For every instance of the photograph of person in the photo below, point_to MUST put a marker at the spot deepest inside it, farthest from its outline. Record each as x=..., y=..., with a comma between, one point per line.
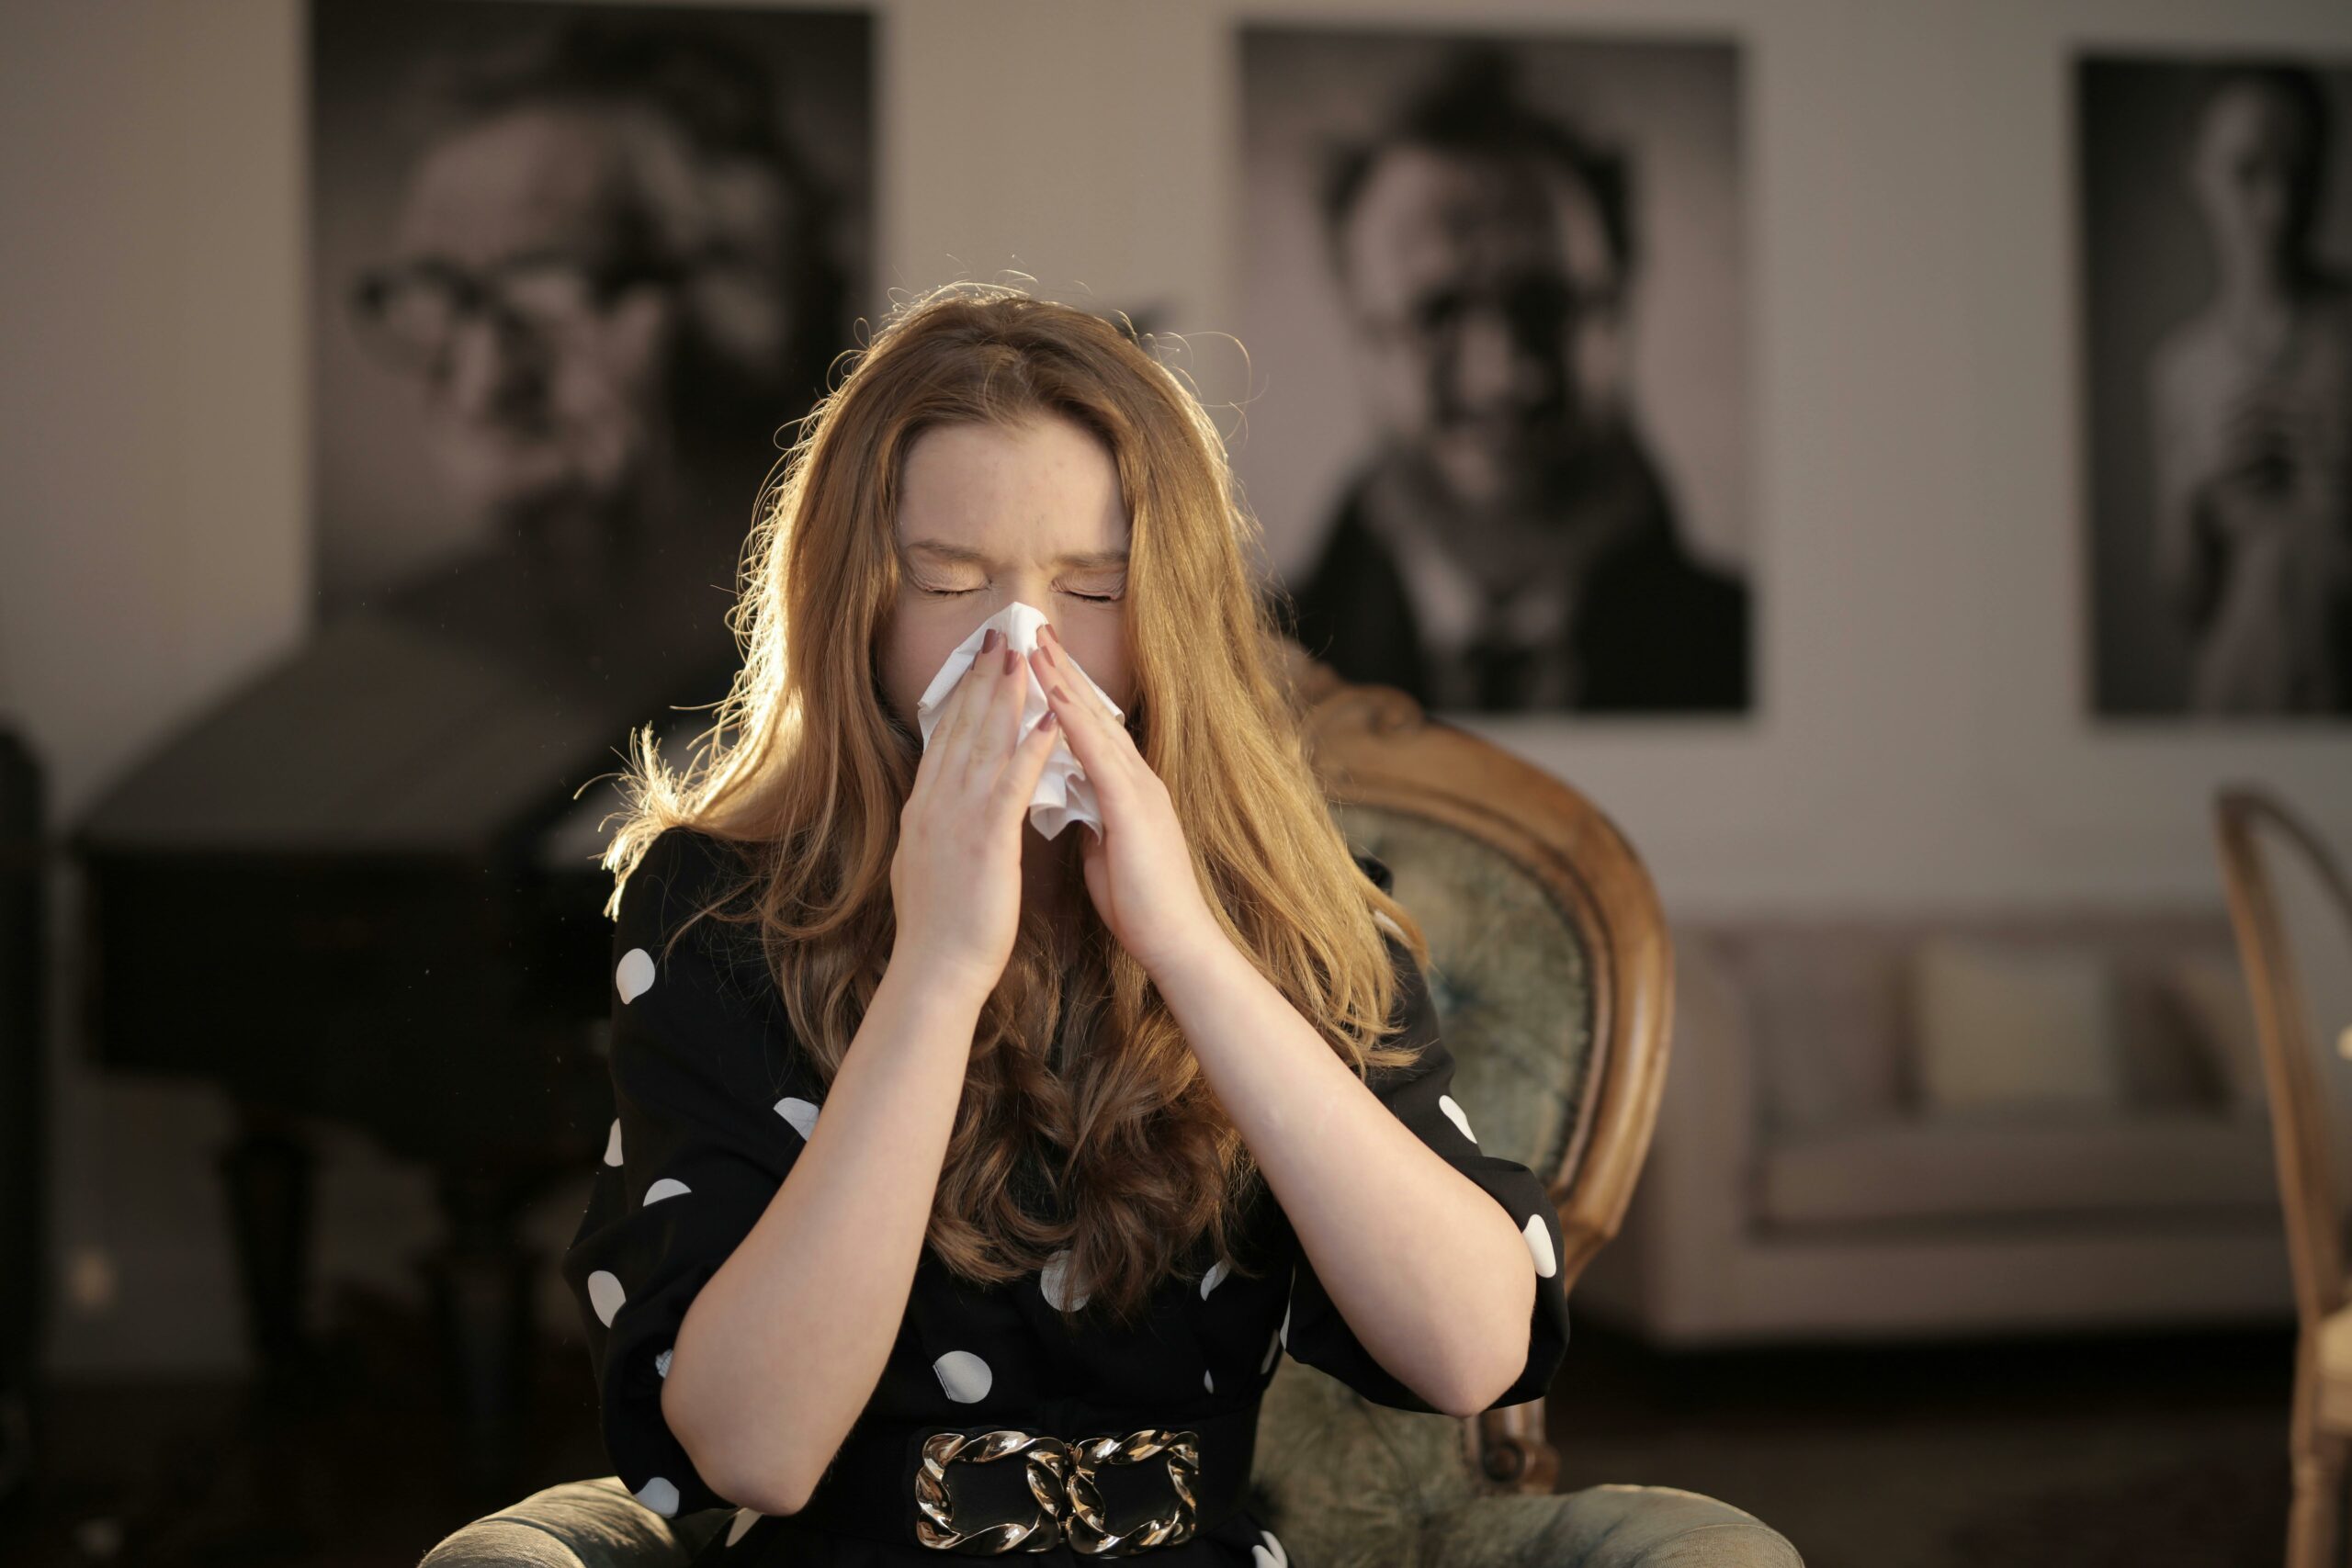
x=2216, y=293
x=1498, y=420
x=578, y=268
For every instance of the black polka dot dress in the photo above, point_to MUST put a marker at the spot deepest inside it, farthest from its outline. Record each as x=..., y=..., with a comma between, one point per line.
x=715, y=1103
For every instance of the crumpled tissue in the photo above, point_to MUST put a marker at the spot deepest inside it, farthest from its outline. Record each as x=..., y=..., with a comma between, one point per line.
x=1063, y=796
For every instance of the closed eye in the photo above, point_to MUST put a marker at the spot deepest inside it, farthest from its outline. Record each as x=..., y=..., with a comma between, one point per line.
x=959, y=592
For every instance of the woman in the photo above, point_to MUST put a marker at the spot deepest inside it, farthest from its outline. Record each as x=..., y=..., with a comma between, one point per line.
x=2251, y=400
x=932, y=1127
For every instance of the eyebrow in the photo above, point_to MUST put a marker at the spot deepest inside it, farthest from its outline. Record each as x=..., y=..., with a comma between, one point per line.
x=964, y=554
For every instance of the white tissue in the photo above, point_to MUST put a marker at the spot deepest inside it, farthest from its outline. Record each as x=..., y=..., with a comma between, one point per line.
x=1063, y=795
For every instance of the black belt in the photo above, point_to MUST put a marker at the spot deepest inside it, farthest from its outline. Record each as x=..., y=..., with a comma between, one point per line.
x=985, y=1490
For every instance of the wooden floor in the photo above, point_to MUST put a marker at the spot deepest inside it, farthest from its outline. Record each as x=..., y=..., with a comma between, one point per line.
x=2150, y=1451
x=2144, y=1450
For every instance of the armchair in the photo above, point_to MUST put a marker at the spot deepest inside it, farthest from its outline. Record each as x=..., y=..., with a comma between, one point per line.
x=1552, y=972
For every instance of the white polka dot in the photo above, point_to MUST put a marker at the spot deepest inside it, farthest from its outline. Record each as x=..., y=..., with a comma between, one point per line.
x=604, y=1293
x=1447, y=1104
x=1053, y=1281
x=964, y=1375
x=1282, y=1333
x=659, y=1495
x=1539, y=1242
x=668, y=1187
x=1271, y=1552
x=1214, y=1278
x=1383, y=918
x=661, y=1362
x=744, y=1519
x=1209, y=1379
x=635, y=976
x=613, y=1144
x=801, y=1113
x=1272, y=1345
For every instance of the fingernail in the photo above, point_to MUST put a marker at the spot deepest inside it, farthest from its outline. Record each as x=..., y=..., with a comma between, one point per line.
x=1011, y=659
x=1047, y=631
x=1047, y=722
x=988, y=641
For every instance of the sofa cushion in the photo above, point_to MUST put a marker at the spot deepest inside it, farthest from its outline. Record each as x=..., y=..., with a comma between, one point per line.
x=1830, y=1020
x=2209, y=991
x=2055, y=1165
x=1829, y=1030
x=2003, y=1024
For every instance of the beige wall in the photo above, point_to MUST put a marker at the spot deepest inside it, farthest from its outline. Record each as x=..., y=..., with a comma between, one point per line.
x=1916, y=538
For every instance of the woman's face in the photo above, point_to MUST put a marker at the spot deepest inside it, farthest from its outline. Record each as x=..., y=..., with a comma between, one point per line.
x=988, y=516
x=2251, y=163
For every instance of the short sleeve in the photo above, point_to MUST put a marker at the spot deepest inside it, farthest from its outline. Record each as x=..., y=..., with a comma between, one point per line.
x=714, y=1102
x=1418, y=1094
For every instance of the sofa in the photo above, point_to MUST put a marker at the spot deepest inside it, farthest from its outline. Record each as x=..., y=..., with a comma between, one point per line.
x=1934, y=1124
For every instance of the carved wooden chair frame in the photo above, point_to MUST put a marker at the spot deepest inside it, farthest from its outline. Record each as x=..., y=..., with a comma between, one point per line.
x=1374, y=746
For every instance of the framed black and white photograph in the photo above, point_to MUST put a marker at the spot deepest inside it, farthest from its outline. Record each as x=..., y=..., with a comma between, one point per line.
x=2215, y=198
x=576, y=271
x=1495, y=306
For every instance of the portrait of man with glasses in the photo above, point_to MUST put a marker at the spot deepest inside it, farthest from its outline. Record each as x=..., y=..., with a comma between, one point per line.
x=583, y=267
x=1506, y=538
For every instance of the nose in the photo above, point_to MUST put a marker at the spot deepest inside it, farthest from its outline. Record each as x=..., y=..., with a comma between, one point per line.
x=1035, y=590
x=1493, y=369
x=485, y=365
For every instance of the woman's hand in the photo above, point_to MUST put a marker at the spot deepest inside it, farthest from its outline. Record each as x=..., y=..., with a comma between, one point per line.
x=1138, y=869
x=956, y=881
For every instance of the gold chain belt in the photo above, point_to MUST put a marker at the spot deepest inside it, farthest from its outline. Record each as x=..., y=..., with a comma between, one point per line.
x=1062, y=1477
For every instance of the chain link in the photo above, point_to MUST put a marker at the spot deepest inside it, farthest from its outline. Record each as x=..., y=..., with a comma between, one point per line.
x=1062, y=1480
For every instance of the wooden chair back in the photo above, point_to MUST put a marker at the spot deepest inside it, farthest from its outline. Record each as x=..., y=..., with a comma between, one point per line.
x=1551, y=963
x=2291, y=907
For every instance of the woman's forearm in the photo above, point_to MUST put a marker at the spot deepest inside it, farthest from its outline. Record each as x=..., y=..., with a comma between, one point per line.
x=1426, y=1268
x=783, y=1347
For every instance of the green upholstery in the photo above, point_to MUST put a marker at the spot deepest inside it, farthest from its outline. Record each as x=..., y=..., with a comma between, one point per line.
x=1509, y=975
x=1344, y=1483
x=580, y=1524
x=1605, y=1526
x=595, y=1524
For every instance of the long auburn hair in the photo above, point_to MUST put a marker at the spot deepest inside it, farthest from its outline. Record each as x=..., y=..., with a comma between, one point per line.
x=1078, y=1073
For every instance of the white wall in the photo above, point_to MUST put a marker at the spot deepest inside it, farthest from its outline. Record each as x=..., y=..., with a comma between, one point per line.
x=1914, y=359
